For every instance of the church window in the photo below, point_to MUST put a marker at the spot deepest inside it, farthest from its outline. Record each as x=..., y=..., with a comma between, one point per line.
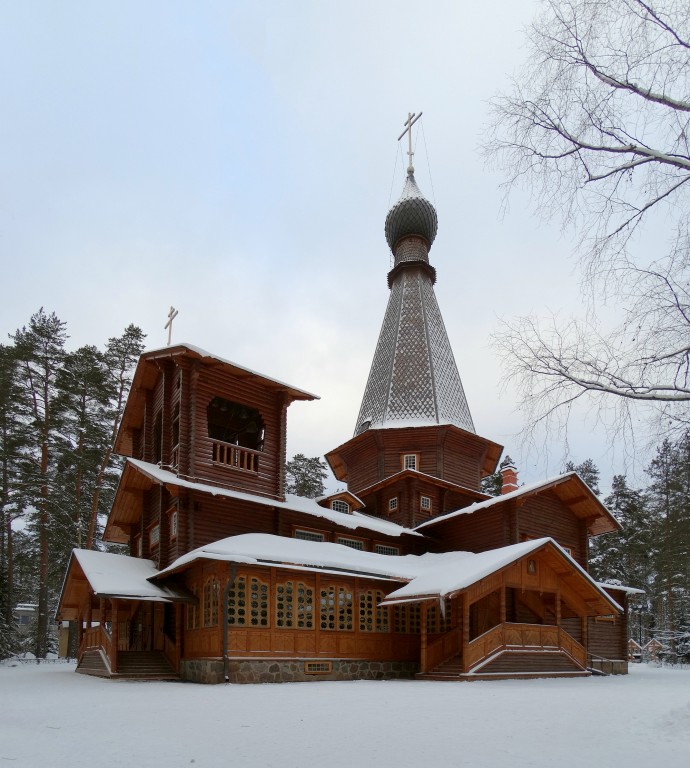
x=372, y=617
x=407, y=619
x=294, y=605
x=258, y=603
x=336, y=608
x=393, y=504
x=154, y=536
x=211, y=602
x=309, y=535
x=410, y=460
x=346, y=541
x=235, y=423
x=193, y=612
x=173, y=524
x=338, y=505
x=237, y=602
x=384, y=549
x=425, y=503
x=436, y=622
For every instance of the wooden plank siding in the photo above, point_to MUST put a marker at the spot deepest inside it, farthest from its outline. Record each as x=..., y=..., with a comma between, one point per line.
x=546, y=515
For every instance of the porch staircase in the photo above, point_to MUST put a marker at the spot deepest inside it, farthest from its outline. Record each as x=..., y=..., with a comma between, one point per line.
x=510, y=665
x=144, y=665
x=131, y=665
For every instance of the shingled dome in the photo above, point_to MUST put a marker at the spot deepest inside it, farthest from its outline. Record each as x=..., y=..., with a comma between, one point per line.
x=413, y=214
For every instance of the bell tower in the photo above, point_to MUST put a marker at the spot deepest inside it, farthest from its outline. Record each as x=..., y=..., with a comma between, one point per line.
x=414, y=420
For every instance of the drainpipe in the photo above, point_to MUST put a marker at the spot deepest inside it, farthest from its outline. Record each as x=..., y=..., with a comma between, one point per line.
x=226, y=592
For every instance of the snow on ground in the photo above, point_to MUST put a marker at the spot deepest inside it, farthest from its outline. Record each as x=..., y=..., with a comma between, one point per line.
x=51, y=717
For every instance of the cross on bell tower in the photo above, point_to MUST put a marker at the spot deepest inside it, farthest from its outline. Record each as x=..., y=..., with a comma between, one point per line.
x=411, y=120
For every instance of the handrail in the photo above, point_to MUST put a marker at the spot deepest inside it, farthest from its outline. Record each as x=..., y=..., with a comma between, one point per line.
x=236, y=456
x=517, y=635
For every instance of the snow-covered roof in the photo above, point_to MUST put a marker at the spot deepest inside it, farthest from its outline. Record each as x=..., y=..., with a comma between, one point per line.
x=524, y=490
x=353, y=520
x=204, y=353
x=114, y=575
x=621, y=588
x=431, y=575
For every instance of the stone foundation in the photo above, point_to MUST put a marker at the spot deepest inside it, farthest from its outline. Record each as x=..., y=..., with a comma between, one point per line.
x=292, y=670
x=609, y=666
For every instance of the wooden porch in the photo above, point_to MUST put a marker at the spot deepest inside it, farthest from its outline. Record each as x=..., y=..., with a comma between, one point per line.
x=130, y=642
x=506, y=650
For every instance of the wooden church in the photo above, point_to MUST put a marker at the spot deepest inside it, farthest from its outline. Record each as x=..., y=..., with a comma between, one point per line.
x=411, y=571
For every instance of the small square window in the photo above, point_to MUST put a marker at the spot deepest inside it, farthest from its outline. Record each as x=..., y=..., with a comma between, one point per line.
x=393, y=503
x=425, y=503
x=384, y=549
x=409, y=461
x=309, y=535
x=338, y=505
x=352, y=543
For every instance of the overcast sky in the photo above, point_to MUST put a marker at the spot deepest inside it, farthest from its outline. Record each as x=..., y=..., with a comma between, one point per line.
x=237, y=160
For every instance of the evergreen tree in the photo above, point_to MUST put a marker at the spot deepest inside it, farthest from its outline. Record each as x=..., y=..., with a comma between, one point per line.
x=305, y=476
x=625, y=556
x=588, y=471
x=669, y=496
x=12, y=442
x=40, y=350
x=493, y=484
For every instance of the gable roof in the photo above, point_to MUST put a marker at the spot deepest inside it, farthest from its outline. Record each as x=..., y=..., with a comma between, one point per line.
x=109, y=575
x=140, y=474
x=569, y=487
x=430, y=576
x=432, y=479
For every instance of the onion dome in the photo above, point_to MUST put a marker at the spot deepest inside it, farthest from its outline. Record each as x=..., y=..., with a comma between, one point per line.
x=413, y=214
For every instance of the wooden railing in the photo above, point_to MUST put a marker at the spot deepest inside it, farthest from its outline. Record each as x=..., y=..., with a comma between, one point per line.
x=96, y=637
x=523, y=636
x=441, y=649
x=235, y=456
x=484, y=645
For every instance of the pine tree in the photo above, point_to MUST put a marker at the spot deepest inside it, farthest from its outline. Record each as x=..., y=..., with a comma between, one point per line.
x=588, y=471
x=669, y=495
x=40, y=351
x=305, y=476
x=625, y=556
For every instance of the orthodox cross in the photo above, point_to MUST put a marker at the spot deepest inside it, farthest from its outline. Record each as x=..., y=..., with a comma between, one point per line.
x=411, y=120
x=171, y=316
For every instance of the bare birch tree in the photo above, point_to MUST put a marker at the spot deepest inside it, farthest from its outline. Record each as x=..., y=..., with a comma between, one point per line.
x=597, y=128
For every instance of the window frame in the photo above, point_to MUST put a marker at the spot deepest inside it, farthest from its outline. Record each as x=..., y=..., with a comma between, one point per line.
x=428, y=506
x=378, y=546
x=393, y=504
x=403, y=461
x=347, y=508
x=310, y=532
x=341, y=539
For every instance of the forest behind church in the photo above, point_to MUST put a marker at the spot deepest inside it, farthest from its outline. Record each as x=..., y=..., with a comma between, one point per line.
x=60, y=409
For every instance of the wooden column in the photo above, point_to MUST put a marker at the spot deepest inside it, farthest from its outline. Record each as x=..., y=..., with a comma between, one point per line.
x=178, y=633
x=89, y=612
x=585, y=634
x=465, y=629
x=503, y=604
x=114, y=637
x=423, y=660
x=558, y=609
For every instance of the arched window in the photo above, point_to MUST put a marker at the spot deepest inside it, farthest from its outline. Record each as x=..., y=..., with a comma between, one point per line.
x=211, y=602
x=235, y=423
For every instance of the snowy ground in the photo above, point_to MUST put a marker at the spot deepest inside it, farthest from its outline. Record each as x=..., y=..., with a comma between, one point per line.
x=51, y=717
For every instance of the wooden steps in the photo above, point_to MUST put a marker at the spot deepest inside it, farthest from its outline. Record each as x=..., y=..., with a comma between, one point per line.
x=93, y=663
x=144, y=665
x=511, y=665
x=131, y=665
